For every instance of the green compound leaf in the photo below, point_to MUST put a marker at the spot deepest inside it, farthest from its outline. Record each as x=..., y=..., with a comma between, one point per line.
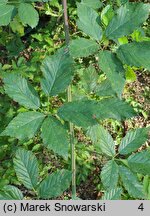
x=21, y=91
x=140, y=162
x=110, y=174
x=128, y=18
x=82, y=47
x=102, y=140
x=55, y=136
x=10, y=192
x=135, y=54
x=58, y=72
x=131, y=183
x=133, y=140
x=85, y=113
x=55, y=184
x=7, y=13
x=28, y=15
x=92, y=4
x=88, y=21
x=24, y=126
x=104, y=89
x=113, y=194
x=26, y=167
x=113, y=68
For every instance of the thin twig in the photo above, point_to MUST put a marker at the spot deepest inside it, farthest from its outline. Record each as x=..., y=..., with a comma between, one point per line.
x=69, y=95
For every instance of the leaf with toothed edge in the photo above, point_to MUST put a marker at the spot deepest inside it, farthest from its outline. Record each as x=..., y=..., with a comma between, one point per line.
x=26, y=167
x=24, y=126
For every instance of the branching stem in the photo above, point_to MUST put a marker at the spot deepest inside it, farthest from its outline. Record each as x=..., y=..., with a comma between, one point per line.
x=69, y=96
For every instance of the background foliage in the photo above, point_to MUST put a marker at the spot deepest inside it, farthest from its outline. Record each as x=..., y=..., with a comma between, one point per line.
x=119, y=33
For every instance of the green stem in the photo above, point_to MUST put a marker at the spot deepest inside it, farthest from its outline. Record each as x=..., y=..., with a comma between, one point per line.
x=69, y=96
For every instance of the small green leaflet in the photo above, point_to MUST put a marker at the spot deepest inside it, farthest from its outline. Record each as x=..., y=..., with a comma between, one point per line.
x=135, y=54
x=131, y=183
x=21, y=91
x=10, y=192
x=89, y=79
x=28, y=15
x=130, y=74
x=110, y=174
x=26, y=167
x=7, y=12
x=24, y=126
x=104, y=89
x=88, y=21
x=82, y=47
x=85, y=113
x=113, y=68
x=55, y=136
x=102, y=140
x=18, y=28
x=55, y=184
x=140, y=162
x=133, y=140
x=58, y=72
x=107, y=14
x=128, y=18
x=95, y=4
x=113, y=194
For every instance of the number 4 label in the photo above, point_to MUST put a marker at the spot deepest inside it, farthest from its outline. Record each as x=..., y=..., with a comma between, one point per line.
x=141, y=207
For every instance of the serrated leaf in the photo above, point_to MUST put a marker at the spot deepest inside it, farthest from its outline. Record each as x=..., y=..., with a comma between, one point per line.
x=89, y=79
x=135, y=54
x=131, y=183
x=102, y=139
x=133, y=140
x=10, y=192
x=129, y=17
x=7, y=13
x=109, y=175
x=88, y=21
x=24, y=125
x=82, y=47
x=26, y=167
x=28, y=15
x=58, y=72
x=92, y=4
x=113, y=68
x=104, y=89
x=113, y=194
x=55, y=184
x=21, y=91
x=55, y=136
x=85, y=113
x=140, y=162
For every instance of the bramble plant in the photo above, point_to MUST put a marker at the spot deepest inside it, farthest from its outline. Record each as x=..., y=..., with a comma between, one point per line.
x=102, y=99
